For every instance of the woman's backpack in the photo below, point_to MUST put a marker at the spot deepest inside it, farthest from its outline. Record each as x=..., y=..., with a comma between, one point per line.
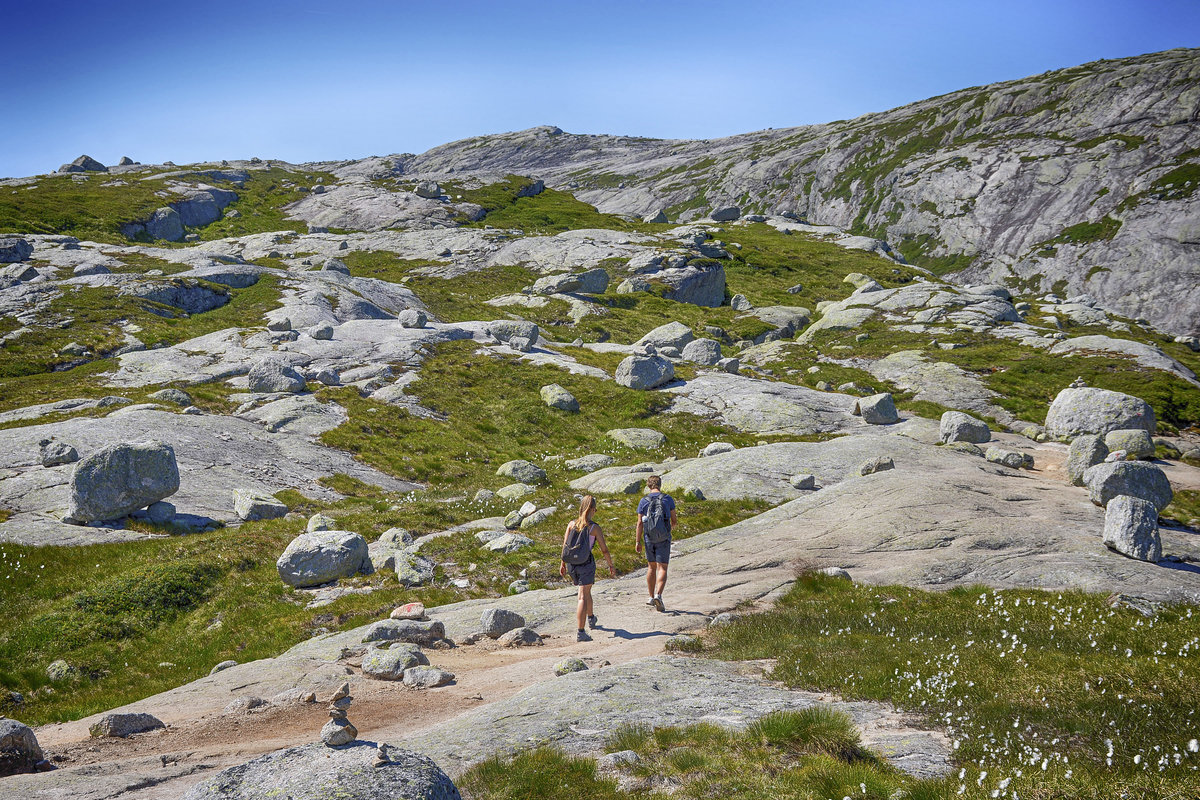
x=578, y=548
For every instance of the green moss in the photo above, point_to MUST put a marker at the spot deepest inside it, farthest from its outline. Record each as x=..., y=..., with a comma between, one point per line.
x=1131, y=142
x=1101, y=230
x=1092, y=271
x=916, y=250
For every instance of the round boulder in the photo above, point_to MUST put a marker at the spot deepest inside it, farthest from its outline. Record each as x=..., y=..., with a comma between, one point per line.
x=644, y=372
x=390, y=664
x=959, y=427
x=556, y=396
x=1098, y=411
x=121, y=478
x=19, y=749
x=317, y=772
x=1136, y=442
x=495, y=622
x=522, y=471
x=638, y=438
x=322, y=556
x=706, y=352
x=1131, y=478
x=269, y=376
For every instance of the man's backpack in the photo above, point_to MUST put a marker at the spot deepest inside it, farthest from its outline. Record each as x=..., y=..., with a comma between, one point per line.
x=657, y=524
x=578, y=549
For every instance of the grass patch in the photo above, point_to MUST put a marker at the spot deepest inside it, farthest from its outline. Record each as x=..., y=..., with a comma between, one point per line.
x=1057, y=693
x=95, y=313
x=88, y=209
x=548, y=212
x=1184, y=507
x=814, y=753
x=1101, y=230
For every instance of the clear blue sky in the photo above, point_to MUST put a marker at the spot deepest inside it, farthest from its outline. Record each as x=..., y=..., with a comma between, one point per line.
x=315, y=80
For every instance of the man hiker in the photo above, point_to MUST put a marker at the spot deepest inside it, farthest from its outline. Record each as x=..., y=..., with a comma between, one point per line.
x=656, y=520
x=578, y=562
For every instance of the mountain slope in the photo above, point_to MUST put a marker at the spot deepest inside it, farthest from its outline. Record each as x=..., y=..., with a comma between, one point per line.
x=1075, y=181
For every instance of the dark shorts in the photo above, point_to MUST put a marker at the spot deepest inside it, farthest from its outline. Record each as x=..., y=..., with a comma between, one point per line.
x=659, y=553
x=582, y=574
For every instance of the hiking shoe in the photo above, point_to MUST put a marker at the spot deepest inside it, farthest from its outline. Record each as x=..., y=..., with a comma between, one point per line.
x=592, y=622
x=650, y=601
x=658, y=603
x=582, y=636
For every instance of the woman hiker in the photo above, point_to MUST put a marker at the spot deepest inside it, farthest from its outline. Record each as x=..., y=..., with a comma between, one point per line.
x=577, y=561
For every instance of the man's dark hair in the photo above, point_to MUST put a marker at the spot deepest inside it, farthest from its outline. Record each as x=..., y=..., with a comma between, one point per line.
x=654, y=482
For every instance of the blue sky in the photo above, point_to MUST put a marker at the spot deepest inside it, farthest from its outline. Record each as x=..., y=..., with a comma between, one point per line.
x=308, y=80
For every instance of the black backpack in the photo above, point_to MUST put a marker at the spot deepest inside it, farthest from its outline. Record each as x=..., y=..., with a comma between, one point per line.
x=657, y=525
x=578, y=549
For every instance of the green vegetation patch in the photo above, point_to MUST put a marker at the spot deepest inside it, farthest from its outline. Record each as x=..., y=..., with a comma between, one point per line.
x=811, y=753
x=1055, y=694
x=95, y=206
x=94, y=315
x=1101, y=230
x=548, y=212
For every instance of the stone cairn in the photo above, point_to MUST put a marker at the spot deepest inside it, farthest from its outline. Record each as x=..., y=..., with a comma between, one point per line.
x=1078, y=383
x=338, y=731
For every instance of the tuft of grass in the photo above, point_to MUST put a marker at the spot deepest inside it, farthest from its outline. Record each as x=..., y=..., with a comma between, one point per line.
x=819, y=729
x=544, y=772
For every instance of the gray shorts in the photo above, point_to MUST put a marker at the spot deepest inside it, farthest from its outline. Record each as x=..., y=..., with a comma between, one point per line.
x=660, y=552
x=582, y=574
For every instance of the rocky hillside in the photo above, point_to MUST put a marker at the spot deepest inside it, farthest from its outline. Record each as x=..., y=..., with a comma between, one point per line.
x=1076, y=181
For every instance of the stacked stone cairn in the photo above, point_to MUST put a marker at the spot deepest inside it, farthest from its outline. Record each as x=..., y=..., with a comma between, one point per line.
x=339, y=732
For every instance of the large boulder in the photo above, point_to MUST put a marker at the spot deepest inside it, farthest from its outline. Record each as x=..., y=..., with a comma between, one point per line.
x=725, y=214
x=250, y=505
x=1131, y=528
x=165, y=223
x=506, y=329
x=1087, y=410
x=495, y=622
x=556, y=396
x=124, y=725
x=1131, y=478
x=1086, y=451
x=522, y=471
x=638, y=438
x=959, y=427
x=413, y=631
x=673, y=334
x=878, y=409
x=318, y=772
x=84, y=163
x=390, y=664
x=203, y=207
x=270, y=376
x=121, y=478
x=19, y=750
x=644, y=372
x=323, y=556
x=1135, y=441
x=705, y=352
x=14, y=248
x=426, y=677
x=701, y=283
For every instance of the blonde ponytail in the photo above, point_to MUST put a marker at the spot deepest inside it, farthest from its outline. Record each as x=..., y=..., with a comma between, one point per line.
x=587, y=507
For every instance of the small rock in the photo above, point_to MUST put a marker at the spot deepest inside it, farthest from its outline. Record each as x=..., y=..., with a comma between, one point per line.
x=412, y=318
x=392, y=663
x=242, y=705
x=338, y=733
x=556, y=396
x=723, y=618
x=740, y=303
x=124, y=725
x=591, y=463
x=878, y=409
x=335, y=265
x=54, y=453
x=427, y=677
x=638, y=438
x=876, y=465
x=19, y=750
x=409, y=611
x=716, y=448
x=835, y=572
x=518, y=587
x=59, y=670
x=269, y=376
x=644, y=372
x=1086, y=451
x=569, y=665
x=160, y=513
x=803, y=481
x=224, y=665
x=322, y=332
x=174, y=396
x=320, y=522
x=280, y=325
x=484, y=496
x=250, y=505
x=1009, y=458
x=522, y=471
x=520, y=637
